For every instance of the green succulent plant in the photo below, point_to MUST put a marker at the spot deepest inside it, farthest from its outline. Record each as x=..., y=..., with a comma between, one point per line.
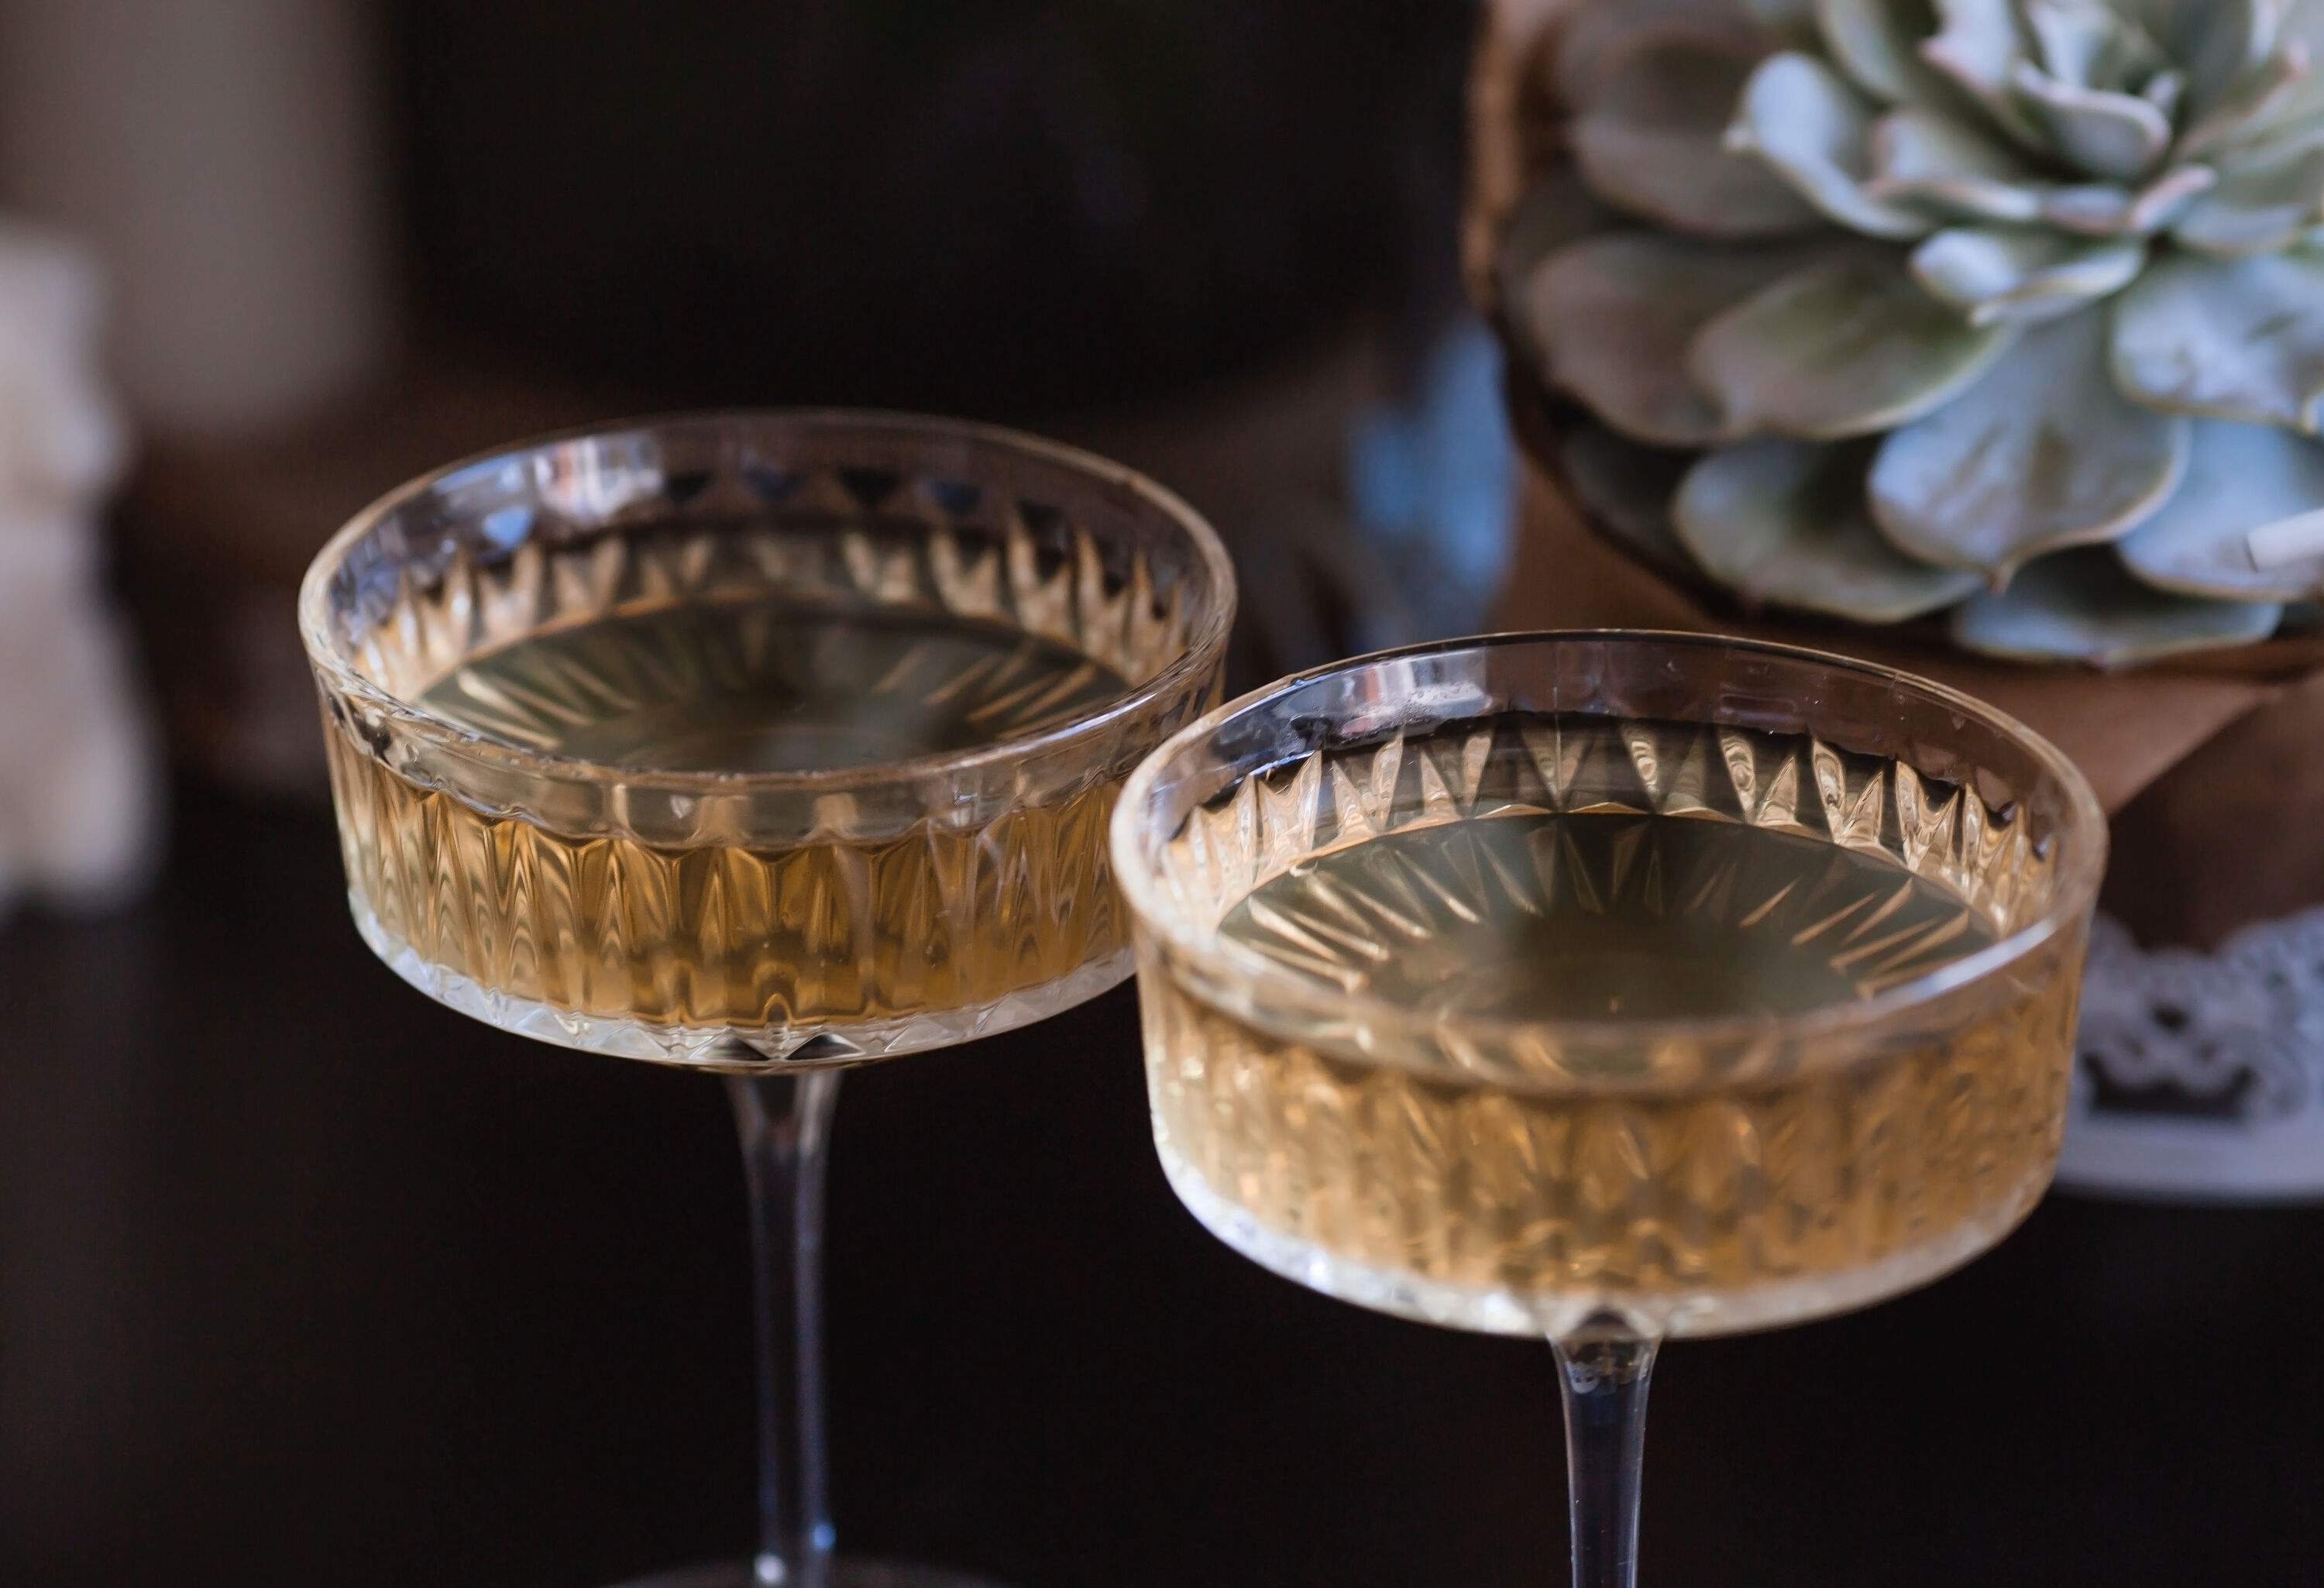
x=2011, y=310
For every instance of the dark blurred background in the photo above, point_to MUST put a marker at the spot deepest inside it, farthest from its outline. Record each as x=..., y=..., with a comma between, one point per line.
x=1009, y=207
x=346, y=241
x=303, y=1280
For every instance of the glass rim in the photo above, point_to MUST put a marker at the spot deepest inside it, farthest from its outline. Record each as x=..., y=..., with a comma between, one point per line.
x=1205, y=642
x=2084, y=827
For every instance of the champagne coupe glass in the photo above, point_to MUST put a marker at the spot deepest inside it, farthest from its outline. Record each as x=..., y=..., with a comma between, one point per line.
x=761, y=744
x=1608, y=987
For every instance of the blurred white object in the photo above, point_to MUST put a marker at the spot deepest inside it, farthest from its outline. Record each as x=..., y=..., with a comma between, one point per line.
x=221, y=157
x=2202, y=1074
x=77, y=789
x=2274, y=545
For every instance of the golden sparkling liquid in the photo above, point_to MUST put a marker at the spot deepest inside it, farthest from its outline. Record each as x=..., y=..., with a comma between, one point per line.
x=836, y=932
x=1496, y=1203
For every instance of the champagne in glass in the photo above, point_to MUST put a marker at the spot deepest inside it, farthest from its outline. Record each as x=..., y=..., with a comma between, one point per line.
x=730, y=935
x=1610, y=988
x=763, y=744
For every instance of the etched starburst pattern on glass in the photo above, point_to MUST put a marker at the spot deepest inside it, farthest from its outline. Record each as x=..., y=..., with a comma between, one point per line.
x=707, y=742
x=1539, y=917
x=1498, y=1016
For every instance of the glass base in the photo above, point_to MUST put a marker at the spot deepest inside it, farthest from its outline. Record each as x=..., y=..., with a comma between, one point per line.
x=844, y=1573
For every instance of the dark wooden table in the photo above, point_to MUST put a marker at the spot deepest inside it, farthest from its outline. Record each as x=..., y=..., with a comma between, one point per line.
x=304, y=1280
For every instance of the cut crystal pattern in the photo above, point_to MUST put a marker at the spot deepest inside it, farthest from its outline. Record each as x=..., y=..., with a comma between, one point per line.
x=1027, y=622
x=908, y=550
x=1585, y=765
x=1399, y=1151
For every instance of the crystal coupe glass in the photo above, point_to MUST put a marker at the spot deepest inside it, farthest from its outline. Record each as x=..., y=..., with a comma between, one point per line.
x=1608, y=987
x=762, y=744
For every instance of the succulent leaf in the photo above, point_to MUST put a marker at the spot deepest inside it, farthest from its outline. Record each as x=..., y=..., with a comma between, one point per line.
x=2276, y=145
x=2092, y=46
x=1651, y=142
x=2166, y=92
x=1627, y=489
x=2304, y=24
x=2113, y=136
x=1783, y=522
x=2043, y=453
x=1979, y=45
x=2099, y=209
x=1996, y=273
x=2239, y=339
x=1813, y=129
x=2217, y=41
x=1792, y=22
x=1928, y=159
x=2111, y=215
x=1596, y=40
x=2243, y=478
x=1877, y=43
x=1848, y=347
x=1559, y=209
x=2084, y=606
x=2252, y=106
x=1613, y=317
x=2260, y=209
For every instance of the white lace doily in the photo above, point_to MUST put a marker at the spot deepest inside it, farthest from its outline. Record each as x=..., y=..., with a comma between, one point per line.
x=2201, y=1074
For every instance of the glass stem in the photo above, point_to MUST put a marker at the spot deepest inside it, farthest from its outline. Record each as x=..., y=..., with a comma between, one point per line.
x=1604, y=1375
x=785, y=1122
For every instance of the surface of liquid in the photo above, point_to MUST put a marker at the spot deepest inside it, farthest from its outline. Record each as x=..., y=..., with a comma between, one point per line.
x=1756, y=1187
x=653, y=950
x=1541, y=917
x=762, y=687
